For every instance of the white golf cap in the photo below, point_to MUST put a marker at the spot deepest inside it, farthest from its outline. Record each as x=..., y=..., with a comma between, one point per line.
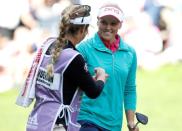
x=112, y=11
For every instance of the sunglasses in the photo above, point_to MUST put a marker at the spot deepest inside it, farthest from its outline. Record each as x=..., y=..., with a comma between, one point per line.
x=81, y=11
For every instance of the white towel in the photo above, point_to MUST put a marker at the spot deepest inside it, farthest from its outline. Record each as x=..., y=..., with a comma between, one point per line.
x=27, y=93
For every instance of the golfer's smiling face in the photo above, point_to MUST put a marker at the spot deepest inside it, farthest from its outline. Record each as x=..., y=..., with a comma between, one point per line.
x=108, y=27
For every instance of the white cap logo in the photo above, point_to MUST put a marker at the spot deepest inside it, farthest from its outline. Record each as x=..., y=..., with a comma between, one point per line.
x=117, y=13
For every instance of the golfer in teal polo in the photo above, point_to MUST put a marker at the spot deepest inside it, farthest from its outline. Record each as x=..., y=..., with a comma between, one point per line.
x=106, y=49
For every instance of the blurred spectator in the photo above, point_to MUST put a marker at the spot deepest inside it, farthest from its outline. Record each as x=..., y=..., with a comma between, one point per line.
x=47, y=13
x=12, y=12
x=172, y=53
x=145, y=37
x=7, y=52
x=15, y=58
x=26, y=50
x=153, y=8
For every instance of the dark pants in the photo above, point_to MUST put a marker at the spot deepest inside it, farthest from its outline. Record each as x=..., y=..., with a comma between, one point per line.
x=89, y=126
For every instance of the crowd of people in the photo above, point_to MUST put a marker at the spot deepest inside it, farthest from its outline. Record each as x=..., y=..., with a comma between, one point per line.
x=152, y=27
x=23, y=27
x=154, y=32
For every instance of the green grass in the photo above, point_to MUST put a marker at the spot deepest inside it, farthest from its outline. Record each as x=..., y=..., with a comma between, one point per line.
x=12, y=117
x=159, y=97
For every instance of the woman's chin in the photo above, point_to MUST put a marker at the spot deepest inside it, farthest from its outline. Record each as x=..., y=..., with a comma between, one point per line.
x=107, y=38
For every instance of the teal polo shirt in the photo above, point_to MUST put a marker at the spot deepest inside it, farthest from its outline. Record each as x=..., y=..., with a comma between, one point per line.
x=120, y=88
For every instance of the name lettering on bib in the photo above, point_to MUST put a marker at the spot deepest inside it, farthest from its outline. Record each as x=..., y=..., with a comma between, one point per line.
x=49, y=82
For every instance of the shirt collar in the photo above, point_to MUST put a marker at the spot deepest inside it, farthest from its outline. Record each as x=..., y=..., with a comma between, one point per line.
x=98, y=44
x=69, y=45
x=112, y=46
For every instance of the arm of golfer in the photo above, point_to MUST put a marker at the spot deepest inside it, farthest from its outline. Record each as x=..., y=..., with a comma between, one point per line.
x=130, y=116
